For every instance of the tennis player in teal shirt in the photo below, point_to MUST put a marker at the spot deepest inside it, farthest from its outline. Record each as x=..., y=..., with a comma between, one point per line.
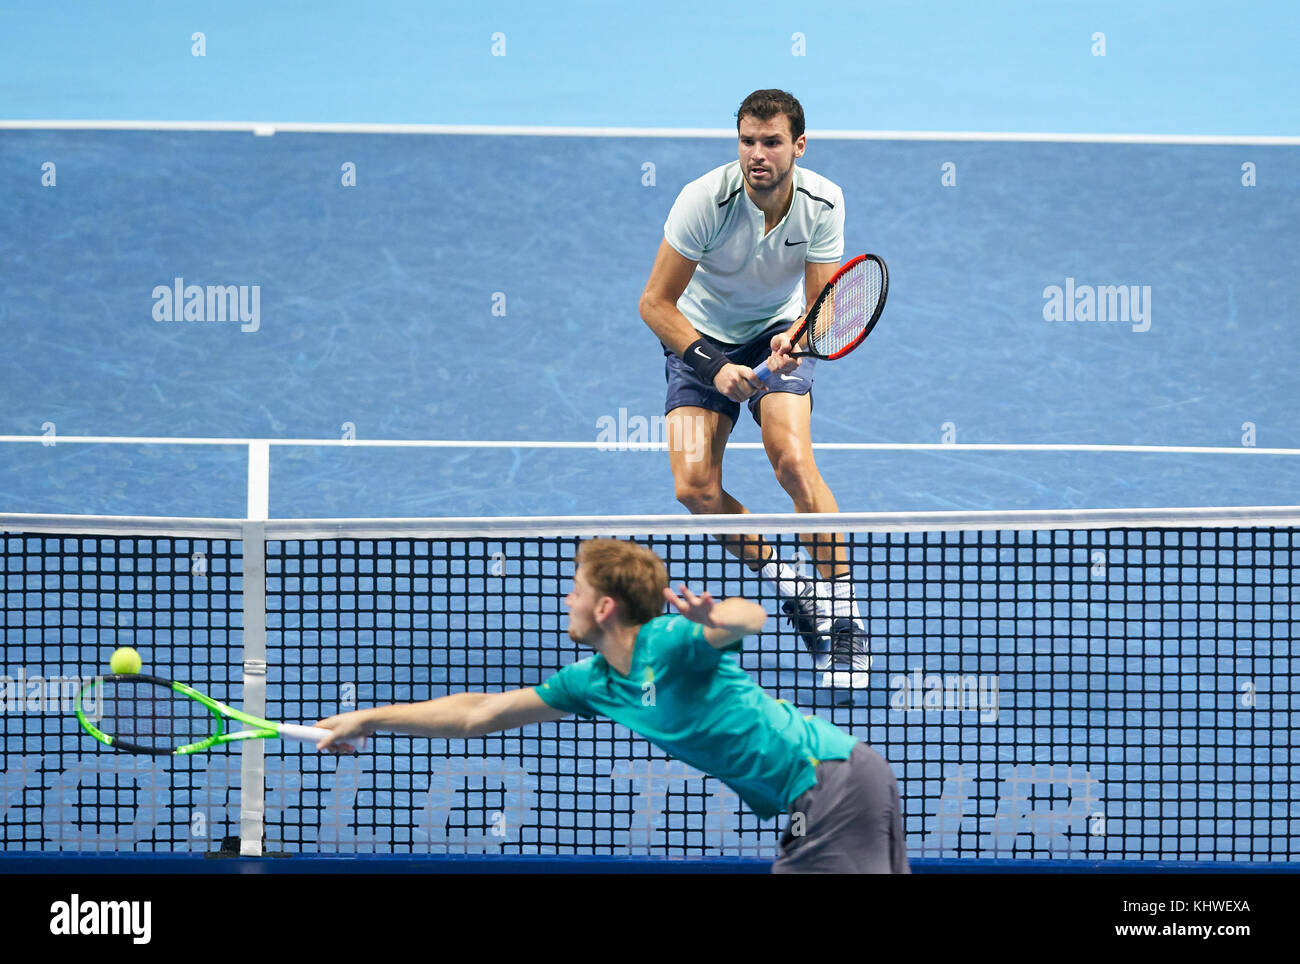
x=674, y=680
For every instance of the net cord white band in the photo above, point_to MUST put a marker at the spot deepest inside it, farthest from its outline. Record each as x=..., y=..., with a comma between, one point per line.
x=498, y=527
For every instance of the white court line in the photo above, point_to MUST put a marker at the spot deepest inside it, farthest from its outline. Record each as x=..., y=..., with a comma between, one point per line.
x=55, y=441
x=265, y=128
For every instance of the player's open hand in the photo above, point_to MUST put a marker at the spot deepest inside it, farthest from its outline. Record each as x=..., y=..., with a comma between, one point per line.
x=350, y=732
x=737, y=382
x=698, y=609
x=781, y=360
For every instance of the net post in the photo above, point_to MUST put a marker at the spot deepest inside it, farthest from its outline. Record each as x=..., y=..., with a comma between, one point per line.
x=252, y=764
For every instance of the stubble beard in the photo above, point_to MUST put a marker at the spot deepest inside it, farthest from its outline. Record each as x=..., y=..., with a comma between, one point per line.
x=773, y=184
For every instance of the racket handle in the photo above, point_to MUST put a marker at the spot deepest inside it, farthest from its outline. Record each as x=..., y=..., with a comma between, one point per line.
x=764, y=373
x=312, y=734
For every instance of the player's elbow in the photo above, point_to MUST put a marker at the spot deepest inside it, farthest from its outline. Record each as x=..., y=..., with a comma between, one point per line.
x=748, y=623
x=475, y=724
x=655, y=305
x=480, y=718
x=745, y=617
x=646, y=306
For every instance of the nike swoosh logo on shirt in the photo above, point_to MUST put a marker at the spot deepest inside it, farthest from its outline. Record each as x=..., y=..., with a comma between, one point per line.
x=791, y=244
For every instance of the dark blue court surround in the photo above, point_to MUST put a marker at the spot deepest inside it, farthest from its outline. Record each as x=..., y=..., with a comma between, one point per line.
x=84, y=864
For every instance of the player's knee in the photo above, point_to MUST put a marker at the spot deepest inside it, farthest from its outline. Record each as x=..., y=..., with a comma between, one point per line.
x=700, y=497
x=797, y=473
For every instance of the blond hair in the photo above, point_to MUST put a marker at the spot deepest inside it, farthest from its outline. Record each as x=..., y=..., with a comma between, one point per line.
x=630, y=574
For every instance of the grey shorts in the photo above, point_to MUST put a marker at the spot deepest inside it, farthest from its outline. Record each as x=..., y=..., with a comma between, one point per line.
x=849, y=823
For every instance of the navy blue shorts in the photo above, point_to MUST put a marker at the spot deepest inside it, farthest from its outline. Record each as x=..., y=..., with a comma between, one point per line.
x=685, y=388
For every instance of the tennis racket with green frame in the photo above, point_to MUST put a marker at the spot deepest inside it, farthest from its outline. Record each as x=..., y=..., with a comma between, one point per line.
x=146, y=714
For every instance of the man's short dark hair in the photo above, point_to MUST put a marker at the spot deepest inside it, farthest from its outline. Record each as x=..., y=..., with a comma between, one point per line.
x=766, y=104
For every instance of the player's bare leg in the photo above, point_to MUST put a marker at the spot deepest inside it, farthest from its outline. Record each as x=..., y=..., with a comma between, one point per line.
x=787, y=437
x=697, y=441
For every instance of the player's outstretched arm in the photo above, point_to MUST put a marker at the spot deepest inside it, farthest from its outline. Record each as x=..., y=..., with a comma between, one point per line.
x=724, y=622
x=458, y=716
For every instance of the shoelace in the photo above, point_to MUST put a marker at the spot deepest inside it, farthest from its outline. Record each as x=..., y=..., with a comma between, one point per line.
x=843, y=633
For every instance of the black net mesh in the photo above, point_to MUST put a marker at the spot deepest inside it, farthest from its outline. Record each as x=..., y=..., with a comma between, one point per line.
x=1115, y=694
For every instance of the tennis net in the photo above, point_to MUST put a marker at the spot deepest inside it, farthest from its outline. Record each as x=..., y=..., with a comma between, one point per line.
x=1098, y=685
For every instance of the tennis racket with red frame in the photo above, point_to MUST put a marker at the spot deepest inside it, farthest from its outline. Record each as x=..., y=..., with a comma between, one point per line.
x=844, y=313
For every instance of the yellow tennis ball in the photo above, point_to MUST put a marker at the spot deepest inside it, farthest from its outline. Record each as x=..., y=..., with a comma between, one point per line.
x=125, y=660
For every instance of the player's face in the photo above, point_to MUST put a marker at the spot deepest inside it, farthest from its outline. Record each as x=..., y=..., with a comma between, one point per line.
x=767, y=152
x=582, y=600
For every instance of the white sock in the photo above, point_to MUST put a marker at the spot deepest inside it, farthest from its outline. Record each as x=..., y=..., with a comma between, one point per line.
x=843, y=605
x=781, y=578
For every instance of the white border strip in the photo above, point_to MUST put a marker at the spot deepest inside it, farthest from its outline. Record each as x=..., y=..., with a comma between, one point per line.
x=784, y=523
x=505, y=527
x=265, y=128
x=252, y=754
x=649, y=446
x=259, y=483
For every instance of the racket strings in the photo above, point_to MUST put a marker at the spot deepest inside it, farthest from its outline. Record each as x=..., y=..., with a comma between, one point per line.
x=151, y=716
x=847, y=309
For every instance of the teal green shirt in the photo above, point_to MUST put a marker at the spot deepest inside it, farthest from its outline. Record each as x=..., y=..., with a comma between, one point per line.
x=695, y=703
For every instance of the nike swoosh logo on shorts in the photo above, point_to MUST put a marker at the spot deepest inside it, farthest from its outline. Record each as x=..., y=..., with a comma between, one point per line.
x=789, y=378
x=791, y=244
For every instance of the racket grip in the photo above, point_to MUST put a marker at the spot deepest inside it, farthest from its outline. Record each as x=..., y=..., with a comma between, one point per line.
x=312, y=734
x=763, y=372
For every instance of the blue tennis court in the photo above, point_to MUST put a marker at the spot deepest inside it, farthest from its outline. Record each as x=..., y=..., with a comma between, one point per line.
x=394, y=311
x=1092, y=307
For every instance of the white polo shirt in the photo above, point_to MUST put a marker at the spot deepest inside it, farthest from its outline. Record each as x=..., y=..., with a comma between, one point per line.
x=746, y=281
